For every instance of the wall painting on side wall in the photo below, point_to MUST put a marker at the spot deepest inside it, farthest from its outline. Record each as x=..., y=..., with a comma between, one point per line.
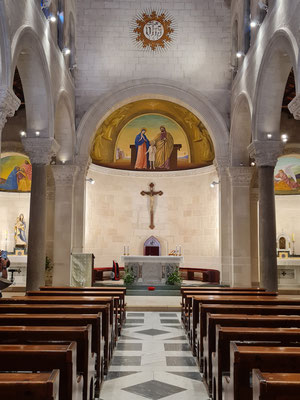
x=15, y=173
x=287, y=175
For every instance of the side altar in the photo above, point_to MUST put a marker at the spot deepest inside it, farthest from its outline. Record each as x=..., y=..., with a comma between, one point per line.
x=151, y=269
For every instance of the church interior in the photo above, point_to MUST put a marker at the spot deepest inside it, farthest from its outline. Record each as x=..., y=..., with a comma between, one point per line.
x=149, y=199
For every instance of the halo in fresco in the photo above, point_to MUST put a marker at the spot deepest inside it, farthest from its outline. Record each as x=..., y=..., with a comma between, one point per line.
x=287, y=175
x=15, y=173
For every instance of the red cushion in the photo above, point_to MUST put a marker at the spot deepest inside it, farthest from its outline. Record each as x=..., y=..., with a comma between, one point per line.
x=151, y=288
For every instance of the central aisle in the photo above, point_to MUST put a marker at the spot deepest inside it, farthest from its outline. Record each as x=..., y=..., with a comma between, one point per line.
x=153, y=361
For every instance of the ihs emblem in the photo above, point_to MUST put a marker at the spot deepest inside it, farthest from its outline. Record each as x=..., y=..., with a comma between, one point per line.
x=153, y=30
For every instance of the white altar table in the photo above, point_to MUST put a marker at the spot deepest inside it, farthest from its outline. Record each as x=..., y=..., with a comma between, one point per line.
x=151, y=269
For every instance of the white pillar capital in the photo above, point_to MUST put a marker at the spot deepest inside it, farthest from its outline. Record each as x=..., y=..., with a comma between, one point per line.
x=241, y=176
x=294, y=107
x=266, y=152
x=40, y=150
x=9, y=103
x=64, y=174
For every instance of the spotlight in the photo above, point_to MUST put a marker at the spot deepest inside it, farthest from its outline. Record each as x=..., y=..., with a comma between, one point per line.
x=91, y=181
x=66, y=51
x=239, y=54
x=37, y=133
x=52, y=18
x=284, y=137
x=23, y=133
x=254, y=24
x=213, y=184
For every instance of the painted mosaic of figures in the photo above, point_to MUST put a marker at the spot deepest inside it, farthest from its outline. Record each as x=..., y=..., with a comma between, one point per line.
x=287, y=175
x=15, y=173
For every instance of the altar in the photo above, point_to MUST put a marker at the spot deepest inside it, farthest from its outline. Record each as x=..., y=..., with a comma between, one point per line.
x=151, y=269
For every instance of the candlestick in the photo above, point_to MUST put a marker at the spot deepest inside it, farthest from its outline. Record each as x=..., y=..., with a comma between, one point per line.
x=124, y=250
x=176, y=251
x=180, y=250
x=128, y=250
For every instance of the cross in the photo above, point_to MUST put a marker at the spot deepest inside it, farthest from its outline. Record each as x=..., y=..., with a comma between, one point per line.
x=151, y=194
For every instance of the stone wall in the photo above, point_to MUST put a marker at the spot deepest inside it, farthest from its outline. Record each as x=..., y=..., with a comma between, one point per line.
x=186, y=214
x=107, y=55
x=288, y=217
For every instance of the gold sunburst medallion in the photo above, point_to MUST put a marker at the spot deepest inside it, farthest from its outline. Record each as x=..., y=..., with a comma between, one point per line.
x=153, y=30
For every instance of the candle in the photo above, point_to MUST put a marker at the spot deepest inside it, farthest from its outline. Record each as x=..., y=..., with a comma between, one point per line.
x=128, y=250
x=124, y=251
x=293, y=237
x=176, y=251
x=180, y=250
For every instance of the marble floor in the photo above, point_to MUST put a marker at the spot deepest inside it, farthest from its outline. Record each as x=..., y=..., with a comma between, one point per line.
x=153, y=360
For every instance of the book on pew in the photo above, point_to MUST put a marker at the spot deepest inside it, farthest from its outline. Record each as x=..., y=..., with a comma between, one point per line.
x=4, y=283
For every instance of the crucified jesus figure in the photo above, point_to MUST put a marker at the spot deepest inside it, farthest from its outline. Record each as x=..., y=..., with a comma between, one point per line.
x=151, y=194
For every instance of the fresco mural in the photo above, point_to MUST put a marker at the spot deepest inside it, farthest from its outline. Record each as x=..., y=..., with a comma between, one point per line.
x=287, y=175
x=15, y=172
x=152, y=135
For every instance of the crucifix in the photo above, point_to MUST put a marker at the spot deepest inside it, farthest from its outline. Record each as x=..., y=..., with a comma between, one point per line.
x=151, y=194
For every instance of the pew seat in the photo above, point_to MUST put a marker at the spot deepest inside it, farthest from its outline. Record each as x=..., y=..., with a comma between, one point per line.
x=29, y=386
x=245, y=358
x=275, y=386
x=82, y=335
x=46, y=357
x=225, y=335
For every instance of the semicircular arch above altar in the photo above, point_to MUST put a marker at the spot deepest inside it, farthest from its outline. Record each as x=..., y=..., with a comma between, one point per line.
x=163, y=132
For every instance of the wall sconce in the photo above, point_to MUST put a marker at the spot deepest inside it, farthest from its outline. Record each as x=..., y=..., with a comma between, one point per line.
x=214, y=183
x=254, y=24
x=284, y=137
x=90, y=180
x=269, y=136
x=23, y=133
x=51, y=18
x=239, y=54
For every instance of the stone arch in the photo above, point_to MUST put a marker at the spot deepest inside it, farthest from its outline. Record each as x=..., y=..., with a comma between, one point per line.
x=64, y=128
x=280, y=56
x=71, y=40
x=159, y=89
x=241, y=132
x=29, y=57
x=4, y=48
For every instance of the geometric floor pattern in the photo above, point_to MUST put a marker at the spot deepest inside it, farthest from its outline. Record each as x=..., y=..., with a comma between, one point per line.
x=153, y=361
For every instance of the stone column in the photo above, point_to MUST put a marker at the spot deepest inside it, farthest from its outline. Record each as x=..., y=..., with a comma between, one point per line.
x=79, y=206
x=254, y=237
x=63, y=223
x=266, y=154
x=9, y=103
x=240, y=221
x=224, y=220
x=39, y=152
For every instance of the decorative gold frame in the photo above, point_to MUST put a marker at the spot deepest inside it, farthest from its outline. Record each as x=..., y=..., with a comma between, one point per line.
x=167, y=23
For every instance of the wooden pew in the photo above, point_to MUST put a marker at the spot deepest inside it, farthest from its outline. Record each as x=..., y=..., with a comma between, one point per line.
x=75, y=300
x=97, y=344
x=118, y=300
x=243, y=359
x=242, y=300
x=224, y=335
x=115, y=293
x=240, y=320
x=90, y=289
x=187, y=292
x=63, y=320
x=46, y=357
x=82, y=335
x=240, y=309
x=29, y=386
x=275, y=386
